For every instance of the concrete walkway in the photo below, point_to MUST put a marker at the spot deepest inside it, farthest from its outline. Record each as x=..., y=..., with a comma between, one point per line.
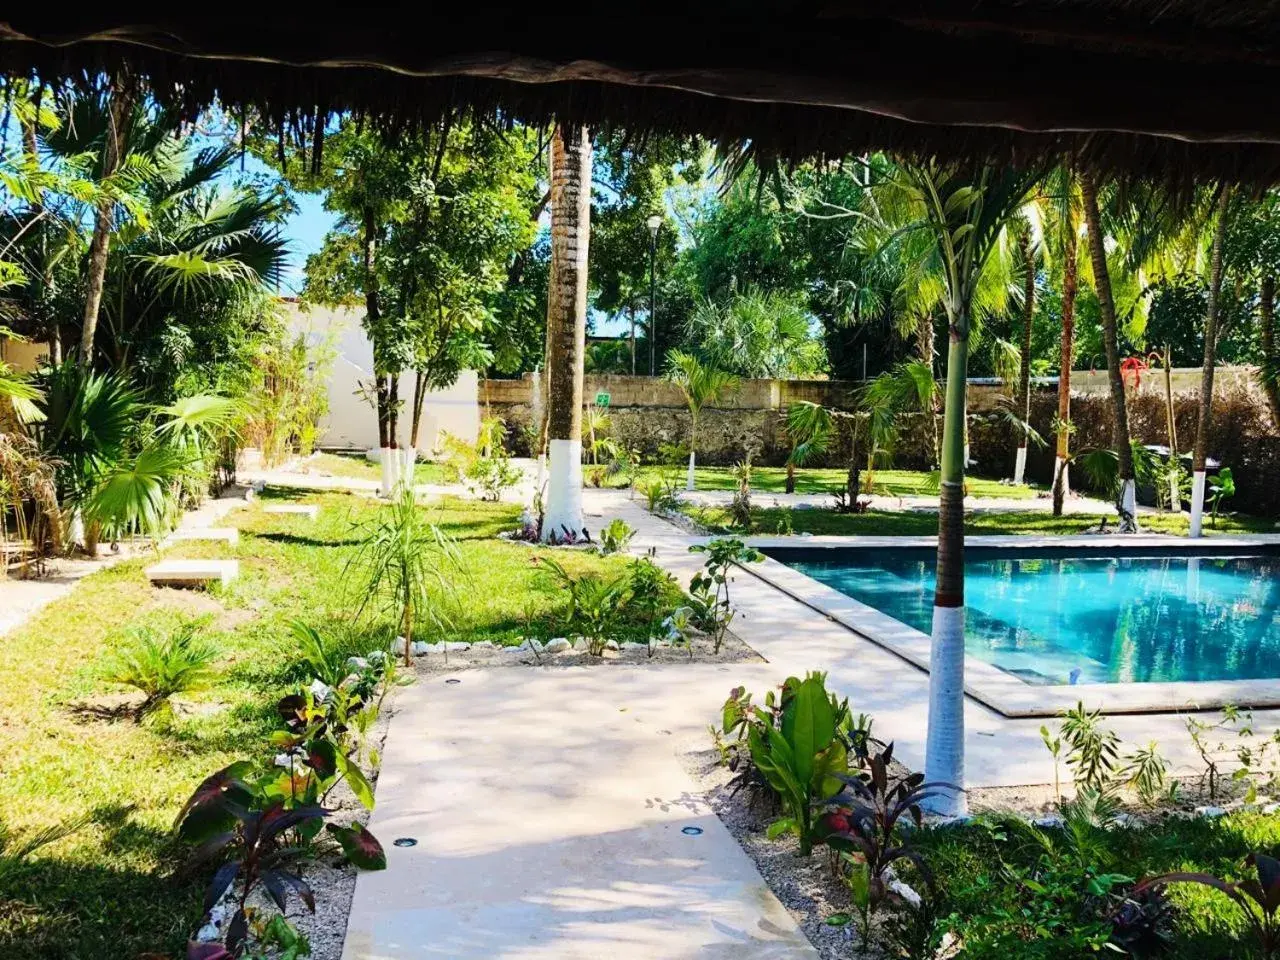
x=22, y=599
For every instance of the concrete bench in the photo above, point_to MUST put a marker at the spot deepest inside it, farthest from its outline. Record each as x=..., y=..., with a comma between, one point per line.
x=310, y=511
x=193, y=573
x=227, y=535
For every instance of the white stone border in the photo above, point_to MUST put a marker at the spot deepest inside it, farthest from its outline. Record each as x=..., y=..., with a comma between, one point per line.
x=988, y=684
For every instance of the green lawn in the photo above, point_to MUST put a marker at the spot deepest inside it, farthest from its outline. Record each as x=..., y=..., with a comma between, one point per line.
x=357, y=466
x=925, y=523
x=109, y=890
x=1012, y=895
x=892, y=483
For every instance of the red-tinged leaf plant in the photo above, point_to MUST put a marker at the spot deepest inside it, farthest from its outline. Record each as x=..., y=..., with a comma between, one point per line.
x=262, y=839
x=862, y=828
x=1257, y=897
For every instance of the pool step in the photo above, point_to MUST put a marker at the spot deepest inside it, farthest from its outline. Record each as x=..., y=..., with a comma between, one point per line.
x=193, y=573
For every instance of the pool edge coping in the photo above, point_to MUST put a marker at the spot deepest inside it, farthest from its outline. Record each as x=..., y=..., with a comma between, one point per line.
x=989, y=685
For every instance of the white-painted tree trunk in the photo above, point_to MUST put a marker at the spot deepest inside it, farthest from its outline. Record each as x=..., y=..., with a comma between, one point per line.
x=1197, y=502
x=1129, y=498
x=409, y=459
x=564, y=491
x=688, y=480
x=1061, y=466
x=1020, y=465
x=944, y=748
x=386, y=482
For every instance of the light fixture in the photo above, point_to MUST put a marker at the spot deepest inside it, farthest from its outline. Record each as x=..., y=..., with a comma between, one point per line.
x=654, y=222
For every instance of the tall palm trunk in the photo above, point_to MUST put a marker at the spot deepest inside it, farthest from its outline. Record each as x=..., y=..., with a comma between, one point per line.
x=567, y=328
x=1267, y=321
x=1205, y=421
x=1061, y=481
x=1024, y=369
x=373, y=326
x=49, y=318
x=944, y=754
x=1127, y=498
x=926, y=348
x=122, y=96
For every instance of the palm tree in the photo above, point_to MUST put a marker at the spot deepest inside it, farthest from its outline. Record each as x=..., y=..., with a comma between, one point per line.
x=567, y=328
x=702, y=383
x=1204, y=421
x=1026, y=245
x=964, y=209
x=1127, y=502
x=809, y=427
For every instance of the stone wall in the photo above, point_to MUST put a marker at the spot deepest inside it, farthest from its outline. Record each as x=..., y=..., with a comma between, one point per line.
x=646, y=413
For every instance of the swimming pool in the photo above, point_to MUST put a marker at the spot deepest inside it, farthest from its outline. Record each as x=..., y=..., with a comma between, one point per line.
x=1105, y=617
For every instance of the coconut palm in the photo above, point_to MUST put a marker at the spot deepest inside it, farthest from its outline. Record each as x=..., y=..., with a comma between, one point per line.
x=701, y=383
x=567, y=328
x=810, y=429
x=1211, y=331
x=1126, y=504
x=964, y=209
x=1027, y=247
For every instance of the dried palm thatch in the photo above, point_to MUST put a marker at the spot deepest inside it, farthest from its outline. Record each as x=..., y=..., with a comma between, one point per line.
x=29, y=517
x=1161, y=88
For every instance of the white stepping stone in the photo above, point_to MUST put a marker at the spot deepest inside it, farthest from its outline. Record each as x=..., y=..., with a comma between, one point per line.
x=227, y=535
x=193, y=573
x=310, y=511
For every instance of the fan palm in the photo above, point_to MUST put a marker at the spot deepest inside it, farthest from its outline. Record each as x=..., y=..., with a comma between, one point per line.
x=810, y=428
x=701, y=383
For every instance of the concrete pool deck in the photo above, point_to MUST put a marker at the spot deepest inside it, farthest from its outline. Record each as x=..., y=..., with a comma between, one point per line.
x=549, y=803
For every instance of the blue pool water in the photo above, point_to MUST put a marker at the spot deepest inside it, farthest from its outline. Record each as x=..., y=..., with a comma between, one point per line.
x=1114, y=619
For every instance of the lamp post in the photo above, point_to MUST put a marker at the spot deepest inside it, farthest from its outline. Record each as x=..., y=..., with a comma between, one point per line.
x=654, y=223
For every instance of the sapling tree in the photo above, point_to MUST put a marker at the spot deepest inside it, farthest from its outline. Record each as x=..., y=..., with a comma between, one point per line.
x=401, y=556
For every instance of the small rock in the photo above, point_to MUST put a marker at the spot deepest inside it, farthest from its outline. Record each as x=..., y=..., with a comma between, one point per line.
x=397, y=647
x=320, y=690
x=482, y=645
x=532, y=644
x=420, y=648
x=1210, y=813
x=212, y=930
x=633, y=645
x=558, y=645
x=357, y=663
x=1270, y=808
x=580, y=643
x=1126, y=820
x=456, y=646
x=611, y=645
x=1052, y=822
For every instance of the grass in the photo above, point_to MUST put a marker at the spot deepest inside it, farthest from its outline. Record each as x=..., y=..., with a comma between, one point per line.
x=907, y=523
x=889, y=483
x=109, y=890
x=982, y=868
x=357, y=467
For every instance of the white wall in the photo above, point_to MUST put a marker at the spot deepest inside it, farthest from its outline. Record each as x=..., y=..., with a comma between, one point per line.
x=351, y=422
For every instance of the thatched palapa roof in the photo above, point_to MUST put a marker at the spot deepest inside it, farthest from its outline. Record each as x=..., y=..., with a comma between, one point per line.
x=1139, y=86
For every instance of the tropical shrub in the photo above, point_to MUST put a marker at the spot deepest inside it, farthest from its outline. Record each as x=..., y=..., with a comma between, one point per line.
x=1257, y=898
x=615, y=537
x=797, y=751
x=161, y=665
x=594, y=603
x=1222, y=486
x=863, y=827
x=491, y=476
x=709, y=588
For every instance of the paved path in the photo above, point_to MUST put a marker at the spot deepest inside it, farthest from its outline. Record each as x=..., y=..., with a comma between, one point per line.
x=22, y=599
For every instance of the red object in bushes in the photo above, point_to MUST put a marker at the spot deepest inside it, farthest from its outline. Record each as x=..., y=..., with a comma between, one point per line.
x=1135, y=366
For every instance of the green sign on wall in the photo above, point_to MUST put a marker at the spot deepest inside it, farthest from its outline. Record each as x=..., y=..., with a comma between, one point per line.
x=602, y=399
